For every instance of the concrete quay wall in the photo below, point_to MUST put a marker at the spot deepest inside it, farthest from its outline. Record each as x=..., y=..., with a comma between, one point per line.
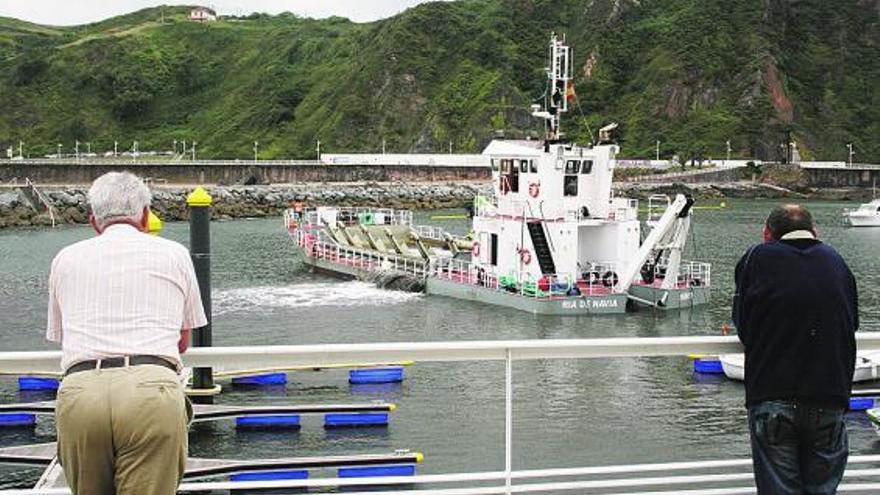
x=866, y=176
x=68, y=172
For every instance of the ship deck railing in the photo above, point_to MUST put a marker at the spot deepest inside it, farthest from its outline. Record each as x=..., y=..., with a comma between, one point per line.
x=596, y=280
x=618, y=213
x=430, y=232
x=668, y=476
x=314, y=246
x=691, y=274
x=349, y=215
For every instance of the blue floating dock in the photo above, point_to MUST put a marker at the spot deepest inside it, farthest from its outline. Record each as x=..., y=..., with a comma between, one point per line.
x=264, y=379
x=377, y=471
x=286, y=421
x=343, y=420
x=861, y=403
x=270, y=475
x=708, y=365
x=37, y=383
x=376, y=375
x=18, y=419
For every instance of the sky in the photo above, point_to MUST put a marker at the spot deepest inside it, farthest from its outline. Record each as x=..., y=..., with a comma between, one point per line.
x=70, y=12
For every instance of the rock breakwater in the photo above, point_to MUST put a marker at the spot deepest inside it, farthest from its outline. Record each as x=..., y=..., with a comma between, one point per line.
x=21, y=207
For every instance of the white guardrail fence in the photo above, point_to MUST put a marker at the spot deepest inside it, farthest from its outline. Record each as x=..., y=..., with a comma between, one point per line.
x=640, y=480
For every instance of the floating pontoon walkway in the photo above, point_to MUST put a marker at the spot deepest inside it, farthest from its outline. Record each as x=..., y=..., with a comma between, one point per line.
x=205, y=412
x=44, y=455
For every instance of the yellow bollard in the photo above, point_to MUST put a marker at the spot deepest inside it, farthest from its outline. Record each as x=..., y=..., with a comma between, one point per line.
x=154, y=224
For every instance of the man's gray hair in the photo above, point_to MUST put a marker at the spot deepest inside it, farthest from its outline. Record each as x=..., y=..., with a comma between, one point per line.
x=118, y=195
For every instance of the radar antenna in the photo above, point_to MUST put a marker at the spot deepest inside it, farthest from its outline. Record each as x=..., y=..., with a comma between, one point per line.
x=560, y=90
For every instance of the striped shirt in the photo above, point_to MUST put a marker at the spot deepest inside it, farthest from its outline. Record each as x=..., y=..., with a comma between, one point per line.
x=123, y=292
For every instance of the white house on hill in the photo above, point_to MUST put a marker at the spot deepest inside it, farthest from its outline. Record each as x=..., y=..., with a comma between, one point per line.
x=202, y=14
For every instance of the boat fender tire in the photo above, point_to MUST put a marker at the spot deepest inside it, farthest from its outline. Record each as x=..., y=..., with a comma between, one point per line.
x=610, y=279
x=585, y=212
x=696, y=282
x=647, y=273
x=534, y=189
x=592, y=278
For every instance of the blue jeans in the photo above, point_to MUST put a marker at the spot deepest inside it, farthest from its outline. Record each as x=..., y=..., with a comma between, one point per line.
x=796, y=448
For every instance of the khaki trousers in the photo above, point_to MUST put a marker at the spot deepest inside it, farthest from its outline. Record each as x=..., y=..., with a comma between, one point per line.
x=122, y=431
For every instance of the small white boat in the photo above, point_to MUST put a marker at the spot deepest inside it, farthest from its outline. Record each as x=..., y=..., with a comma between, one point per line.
x=874, y=417
x=867, y=366
x=866, y=215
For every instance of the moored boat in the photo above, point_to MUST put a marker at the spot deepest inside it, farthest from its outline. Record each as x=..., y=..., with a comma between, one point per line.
x=867, y=366
x=866, y=215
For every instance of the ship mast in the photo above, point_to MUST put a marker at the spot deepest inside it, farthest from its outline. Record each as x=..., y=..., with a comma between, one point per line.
x=560, y=88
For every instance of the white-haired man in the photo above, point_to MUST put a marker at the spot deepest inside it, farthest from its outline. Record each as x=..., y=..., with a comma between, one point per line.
x=118, y=304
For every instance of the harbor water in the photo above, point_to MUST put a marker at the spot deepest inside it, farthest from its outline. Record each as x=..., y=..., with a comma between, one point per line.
x=567, y=412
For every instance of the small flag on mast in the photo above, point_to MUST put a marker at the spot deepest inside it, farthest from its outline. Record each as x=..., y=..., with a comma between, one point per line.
x=569, y=91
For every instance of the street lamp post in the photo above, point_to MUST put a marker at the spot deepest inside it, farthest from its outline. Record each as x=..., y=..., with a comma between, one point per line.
x=59, y=150
x=76, y=149
x=383, y=146
x=728, y=152
x=20, y=149
x=175, y=147
x=194, y=150
x=657, y=151
x=450, y=147
x=256, y=149
x=851, y=153
x=183, y=153
x=318, y=149
x=115, y=149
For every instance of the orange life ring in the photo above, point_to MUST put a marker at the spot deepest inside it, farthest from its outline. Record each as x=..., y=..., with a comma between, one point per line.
x=534, y=189
x=475, y=249
x=525, y=256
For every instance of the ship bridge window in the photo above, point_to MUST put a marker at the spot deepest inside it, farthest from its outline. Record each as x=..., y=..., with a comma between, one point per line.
x=513, y=179
x=586, y=167
x=570, y=180
x=509, y=175
x=533, y=167
x=495, y=164
x=524, y=166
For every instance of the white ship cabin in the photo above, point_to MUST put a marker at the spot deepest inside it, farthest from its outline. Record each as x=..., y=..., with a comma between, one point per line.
x=554, y=219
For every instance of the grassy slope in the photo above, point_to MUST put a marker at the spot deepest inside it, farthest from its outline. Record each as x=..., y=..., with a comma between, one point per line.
x=687, y=72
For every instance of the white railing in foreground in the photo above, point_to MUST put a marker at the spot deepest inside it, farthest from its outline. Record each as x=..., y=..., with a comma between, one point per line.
x=508, y=351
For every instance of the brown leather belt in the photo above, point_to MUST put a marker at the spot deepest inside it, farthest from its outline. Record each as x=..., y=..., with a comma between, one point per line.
x=119, y=362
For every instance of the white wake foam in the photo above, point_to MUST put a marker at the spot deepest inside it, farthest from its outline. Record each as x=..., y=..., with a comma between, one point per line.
x=344, y=294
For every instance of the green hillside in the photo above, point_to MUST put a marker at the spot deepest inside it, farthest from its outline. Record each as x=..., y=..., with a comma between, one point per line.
x=689, y=73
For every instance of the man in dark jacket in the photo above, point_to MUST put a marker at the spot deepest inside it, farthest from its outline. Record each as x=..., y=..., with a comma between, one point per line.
x=796, y=311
